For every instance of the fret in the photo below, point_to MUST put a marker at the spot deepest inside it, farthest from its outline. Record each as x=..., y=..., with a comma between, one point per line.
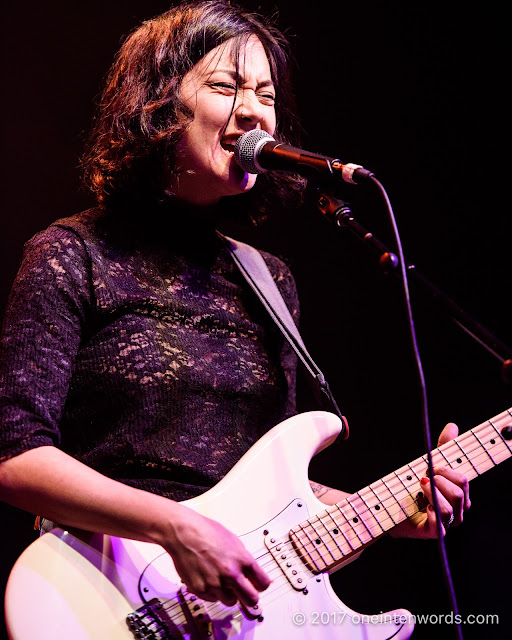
x=440, y=450
x=359, y=516
x=394, y=496
x=482, y=446
x=500, y=444
x=351, y=520
x=321, y=538
x=425, y=463
x=477, y=451
x=407, y=489
x=457, y=442
x=383, y=503
x=394, y=500
x=451, y=452
x=408, y=495
x=495, y=428
x=305, y=546
x=495, y=448
x=503, y=417
x=371, y=511
x=419, y=498
x=357, y=540
x=508, y=423
x=339, y=527
x=333, y=533
x=335, y=537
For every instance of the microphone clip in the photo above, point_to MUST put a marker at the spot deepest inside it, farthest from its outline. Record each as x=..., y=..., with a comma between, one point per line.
x=338, y=212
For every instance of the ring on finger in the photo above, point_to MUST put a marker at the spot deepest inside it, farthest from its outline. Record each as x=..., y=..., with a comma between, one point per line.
x=449, y=522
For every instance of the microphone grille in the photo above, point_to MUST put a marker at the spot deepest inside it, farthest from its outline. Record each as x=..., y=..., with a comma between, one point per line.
x=247, y=147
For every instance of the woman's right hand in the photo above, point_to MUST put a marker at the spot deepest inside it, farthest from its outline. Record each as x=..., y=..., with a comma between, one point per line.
x=212, y=561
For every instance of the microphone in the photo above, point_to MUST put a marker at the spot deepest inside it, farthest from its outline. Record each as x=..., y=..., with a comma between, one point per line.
x=256, y=151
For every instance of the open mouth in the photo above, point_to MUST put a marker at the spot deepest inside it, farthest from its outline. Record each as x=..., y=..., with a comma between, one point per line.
x=227, y=146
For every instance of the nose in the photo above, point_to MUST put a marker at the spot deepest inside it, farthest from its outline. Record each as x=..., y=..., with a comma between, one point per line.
x=250, y=110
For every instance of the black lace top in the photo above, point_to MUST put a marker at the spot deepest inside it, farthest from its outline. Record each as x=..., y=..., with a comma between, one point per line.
x=147, y=358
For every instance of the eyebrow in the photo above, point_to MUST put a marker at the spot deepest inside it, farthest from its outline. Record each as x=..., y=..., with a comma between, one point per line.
x=240, y=79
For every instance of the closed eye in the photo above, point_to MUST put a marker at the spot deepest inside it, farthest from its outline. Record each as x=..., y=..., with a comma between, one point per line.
x=267, y=96
x=224, y=85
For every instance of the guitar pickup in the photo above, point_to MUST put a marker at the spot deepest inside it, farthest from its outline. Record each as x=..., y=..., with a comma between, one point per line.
x=251, y=613
x=285, y=556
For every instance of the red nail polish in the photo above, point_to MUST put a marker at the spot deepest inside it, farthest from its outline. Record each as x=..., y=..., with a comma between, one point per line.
x=424, y=481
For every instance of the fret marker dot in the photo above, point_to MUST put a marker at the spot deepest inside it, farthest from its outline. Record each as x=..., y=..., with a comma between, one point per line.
x=493, y=441
x=507, y=433
x=377, y=507
x=459, y=461
x=317, y=541
x=335, y=531
x=355, y=520
x=409, y=477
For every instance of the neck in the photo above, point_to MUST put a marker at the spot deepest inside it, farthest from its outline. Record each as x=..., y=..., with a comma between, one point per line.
x=329, y=538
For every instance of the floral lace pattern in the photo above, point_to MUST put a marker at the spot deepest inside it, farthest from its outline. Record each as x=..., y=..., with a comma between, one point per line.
x=157, y=367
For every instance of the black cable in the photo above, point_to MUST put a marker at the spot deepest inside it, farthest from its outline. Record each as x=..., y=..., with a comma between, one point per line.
x=424, y=407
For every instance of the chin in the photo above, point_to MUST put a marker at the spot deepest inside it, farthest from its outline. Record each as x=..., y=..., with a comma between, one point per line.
x=242, y=181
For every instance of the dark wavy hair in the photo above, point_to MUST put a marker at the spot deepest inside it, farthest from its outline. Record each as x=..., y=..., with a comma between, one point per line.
x=131, y=154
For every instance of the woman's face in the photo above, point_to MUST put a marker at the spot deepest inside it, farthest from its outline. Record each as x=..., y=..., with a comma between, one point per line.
x=208, y=169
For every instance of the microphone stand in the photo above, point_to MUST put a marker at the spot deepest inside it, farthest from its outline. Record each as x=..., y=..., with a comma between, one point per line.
x=338, y=212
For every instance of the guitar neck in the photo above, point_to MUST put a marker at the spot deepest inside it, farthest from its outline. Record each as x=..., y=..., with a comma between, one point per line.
x=332, y=536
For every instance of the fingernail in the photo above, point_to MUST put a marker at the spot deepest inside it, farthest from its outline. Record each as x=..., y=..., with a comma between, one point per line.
x=424, y=481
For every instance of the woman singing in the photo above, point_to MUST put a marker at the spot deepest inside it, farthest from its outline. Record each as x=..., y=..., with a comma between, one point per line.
x=137, y=367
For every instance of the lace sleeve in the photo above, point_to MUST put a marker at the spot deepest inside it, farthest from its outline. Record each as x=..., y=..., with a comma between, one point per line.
x=41, y=335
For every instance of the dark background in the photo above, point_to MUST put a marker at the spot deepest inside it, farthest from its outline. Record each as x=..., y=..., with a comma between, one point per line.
x=414, y=91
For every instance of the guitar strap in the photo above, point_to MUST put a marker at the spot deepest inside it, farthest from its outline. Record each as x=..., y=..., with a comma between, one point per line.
x=254, y=269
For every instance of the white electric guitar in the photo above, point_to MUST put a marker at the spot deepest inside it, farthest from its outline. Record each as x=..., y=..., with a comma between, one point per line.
x=77, y=586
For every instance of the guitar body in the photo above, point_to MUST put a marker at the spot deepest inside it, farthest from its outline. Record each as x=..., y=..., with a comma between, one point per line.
x=84, y=586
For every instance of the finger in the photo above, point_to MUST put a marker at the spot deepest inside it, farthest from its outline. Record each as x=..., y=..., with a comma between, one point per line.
x=228, y=598
x=223, y=594
x=432, y=523
x=257, y=576
x=244, y=588
x=458, y=479
x=450, y=432
x=245, y=591
x=213, y=591
x=453, y=495
x=205, y=583
x=234, y=584
x=445, y=508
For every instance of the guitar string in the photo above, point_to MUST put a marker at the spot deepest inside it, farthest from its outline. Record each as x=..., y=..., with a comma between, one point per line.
x=318, y=518
x=467, y=454
x=395, y=496
x=213, y=608
x=265, y=560
x=175, y=608
x=277, y=586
